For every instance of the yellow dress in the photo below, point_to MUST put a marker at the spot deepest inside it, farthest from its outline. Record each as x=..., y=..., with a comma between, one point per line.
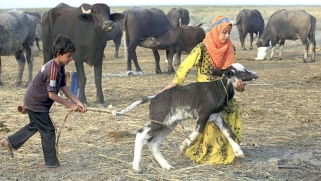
x=210, y=147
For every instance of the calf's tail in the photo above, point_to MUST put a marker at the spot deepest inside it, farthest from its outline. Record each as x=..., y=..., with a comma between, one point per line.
x=134, y=104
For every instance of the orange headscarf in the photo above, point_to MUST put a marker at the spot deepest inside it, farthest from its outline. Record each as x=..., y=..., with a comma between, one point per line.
x=222, y=54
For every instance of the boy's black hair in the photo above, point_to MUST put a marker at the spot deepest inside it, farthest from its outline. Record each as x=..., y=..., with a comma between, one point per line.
x=62, y=45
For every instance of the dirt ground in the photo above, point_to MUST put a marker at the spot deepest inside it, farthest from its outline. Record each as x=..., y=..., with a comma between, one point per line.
x=281, y=124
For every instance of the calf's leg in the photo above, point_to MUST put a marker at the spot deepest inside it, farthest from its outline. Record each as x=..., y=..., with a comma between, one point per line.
x=154, y=143
x=141, y=137
x=200, y=125
x=227, y=132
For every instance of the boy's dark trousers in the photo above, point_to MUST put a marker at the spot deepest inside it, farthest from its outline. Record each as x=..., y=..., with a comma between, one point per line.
x=39, y=121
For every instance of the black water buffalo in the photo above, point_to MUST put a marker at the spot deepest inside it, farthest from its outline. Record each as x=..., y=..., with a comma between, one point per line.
x=86, y=26
x=249, y=21
x=176, y=40
x=140, y=23
x=17, y=34
x=178, y=17
x=289, y=25
x=115, y=35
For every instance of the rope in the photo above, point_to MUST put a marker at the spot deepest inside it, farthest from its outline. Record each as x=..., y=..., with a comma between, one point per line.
x=226, y=94
x=62, y=126
x=92, y=110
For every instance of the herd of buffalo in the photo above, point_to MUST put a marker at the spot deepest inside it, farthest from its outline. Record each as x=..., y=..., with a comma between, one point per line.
x=91, y=26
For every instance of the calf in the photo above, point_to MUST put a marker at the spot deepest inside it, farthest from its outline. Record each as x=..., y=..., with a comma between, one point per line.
x=176, y=40
x=203, y=101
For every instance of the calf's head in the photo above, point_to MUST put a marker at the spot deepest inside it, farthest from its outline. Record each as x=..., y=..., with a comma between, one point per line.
x=234, y=72
x=148, y=42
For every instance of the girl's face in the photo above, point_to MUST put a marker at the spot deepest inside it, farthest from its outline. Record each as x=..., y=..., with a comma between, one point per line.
x=225, y=35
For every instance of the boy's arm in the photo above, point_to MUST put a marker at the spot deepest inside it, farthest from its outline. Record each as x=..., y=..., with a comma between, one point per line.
x=56, y=98
x=73, y=98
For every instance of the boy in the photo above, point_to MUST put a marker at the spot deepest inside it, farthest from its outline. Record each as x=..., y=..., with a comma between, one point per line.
x=40, y=95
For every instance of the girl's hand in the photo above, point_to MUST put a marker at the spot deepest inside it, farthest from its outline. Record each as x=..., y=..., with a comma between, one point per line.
x=239, y=85
x=169, y=86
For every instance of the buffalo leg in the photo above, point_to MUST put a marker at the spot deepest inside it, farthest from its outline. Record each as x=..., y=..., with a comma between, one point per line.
x=281, y=49
x=81, y=81
x=273, y=44
x=157, y=59
x=170, y=55
x=30, y=61
x=131, y=49
x=37, y=44
x=1, y=81
x=178, y=57
x=242, y=38
x=117, y=42
x=21, y=64
x=227, y=132
x=251, y=41
x=98, y=75
x=306, y=50
x=313, y=50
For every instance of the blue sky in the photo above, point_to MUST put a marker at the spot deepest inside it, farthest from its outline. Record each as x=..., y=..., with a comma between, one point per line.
x=8, y=4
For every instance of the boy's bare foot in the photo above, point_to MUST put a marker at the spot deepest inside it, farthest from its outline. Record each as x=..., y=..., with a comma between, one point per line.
x=5, y=143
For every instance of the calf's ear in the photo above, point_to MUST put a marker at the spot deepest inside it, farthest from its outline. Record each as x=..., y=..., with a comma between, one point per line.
x=116, y=16
x=220, y=72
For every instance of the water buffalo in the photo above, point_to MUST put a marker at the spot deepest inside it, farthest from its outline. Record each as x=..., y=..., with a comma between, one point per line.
x=206, y=27
x=289, y=25
x=249, y=21
x=17, y=34
x=86, y=26
x=178, y=17
x=176, y=40
x=140, y=23
x=115, y=35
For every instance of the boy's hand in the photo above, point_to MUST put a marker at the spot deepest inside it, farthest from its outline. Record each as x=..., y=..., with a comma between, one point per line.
x=74, y=107
x=82, y=108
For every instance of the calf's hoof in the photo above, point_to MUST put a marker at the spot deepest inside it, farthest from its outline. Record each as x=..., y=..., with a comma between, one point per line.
x=182, y=149
x=168, y=167
x=239, y=154
x=137, y=169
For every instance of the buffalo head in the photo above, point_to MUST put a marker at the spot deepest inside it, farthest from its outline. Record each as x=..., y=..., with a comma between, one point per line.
x=99, y=15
